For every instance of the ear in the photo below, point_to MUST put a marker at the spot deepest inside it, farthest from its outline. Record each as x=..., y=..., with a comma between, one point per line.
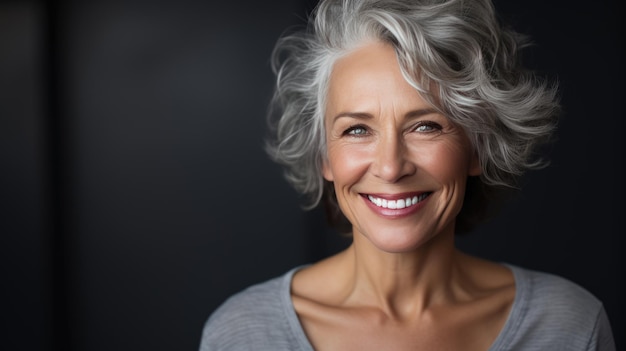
x=474, y=167
x=327, y=171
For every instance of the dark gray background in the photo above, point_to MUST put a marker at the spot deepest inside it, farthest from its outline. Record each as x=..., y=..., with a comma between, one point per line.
x=135, y=195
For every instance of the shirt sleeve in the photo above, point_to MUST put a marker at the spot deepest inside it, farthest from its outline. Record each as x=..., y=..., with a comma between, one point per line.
x=602, y=337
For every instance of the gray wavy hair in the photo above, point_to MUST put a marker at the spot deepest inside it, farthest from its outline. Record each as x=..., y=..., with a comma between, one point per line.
x=454, y=52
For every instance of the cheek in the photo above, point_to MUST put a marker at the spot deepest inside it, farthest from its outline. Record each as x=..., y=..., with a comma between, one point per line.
x=446, y=163
x=346, y=163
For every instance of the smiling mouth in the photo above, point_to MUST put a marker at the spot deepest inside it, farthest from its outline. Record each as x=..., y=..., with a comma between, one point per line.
x=399, y=203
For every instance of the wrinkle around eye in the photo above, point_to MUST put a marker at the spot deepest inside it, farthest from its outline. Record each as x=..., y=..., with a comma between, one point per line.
x=357, y=131
x=431, y=127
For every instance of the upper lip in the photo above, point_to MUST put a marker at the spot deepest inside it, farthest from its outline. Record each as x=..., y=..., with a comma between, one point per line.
x=396, y=196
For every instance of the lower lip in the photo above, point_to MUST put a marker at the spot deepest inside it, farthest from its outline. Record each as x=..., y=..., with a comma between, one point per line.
x=395, y=213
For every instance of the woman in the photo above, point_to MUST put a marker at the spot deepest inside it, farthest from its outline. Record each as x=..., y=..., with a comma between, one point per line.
x=407, y=118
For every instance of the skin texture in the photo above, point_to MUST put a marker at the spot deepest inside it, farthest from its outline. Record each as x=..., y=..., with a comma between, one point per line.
x=401, y=285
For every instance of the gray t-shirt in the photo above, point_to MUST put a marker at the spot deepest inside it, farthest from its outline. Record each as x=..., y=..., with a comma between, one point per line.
x=548, y=313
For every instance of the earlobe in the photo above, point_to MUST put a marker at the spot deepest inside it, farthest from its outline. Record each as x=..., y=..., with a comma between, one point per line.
x=474, y=168
x=327, y=172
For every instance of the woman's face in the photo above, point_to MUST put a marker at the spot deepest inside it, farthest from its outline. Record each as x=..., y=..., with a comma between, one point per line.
x=399, y=167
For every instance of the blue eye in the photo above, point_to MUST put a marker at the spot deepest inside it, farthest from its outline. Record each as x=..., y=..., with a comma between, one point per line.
x=356, y=131
x=427, y=127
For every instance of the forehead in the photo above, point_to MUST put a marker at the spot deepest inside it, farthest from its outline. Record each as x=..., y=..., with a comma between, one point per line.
x=370, y=77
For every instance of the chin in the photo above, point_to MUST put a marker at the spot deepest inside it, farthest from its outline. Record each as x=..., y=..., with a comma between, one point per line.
x=397, y=241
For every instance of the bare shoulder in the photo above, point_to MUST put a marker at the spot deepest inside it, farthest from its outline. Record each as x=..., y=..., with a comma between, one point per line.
x=319, y=282
x=486, y=275
x=486, y=288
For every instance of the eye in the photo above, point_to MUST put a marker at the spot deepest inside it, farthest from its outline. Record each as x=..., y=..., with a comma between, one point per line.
x=427, y=127
x=357, y=130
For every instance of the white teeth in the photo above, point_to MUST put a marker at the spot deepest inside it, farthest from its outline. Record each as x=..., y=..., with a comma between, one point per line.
x=400, y=203
x=396, y=204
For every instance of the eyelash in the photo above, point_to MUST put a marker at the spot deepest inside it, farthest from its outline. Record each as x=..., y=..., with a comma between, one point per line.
x=351, y=130
x=434, y=127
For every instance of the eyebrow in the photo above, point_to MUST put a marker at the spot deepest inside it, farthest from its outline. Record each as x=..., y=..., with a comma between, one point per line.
x=365, y=115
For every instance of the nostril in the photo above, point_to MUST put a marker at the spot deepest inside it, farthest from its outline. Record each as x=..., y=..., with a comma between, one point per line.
x=391, y=162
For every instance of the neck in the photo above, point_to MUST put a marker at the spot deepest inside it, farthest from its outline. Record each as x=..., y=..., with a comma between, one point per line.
x=402, y=284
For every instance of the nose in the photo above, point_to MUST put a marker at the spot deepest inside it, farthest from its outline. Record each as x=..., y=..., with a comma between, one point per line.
x=391, y=162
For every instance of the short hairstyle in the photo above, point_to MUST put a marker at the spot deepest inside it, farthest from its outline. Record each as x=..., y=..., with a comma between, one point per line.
x=455, y=53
